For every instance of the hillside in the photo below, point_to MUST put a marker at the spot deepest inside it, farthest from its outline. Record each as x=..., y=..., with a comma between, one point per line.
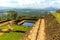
x=57, y=15
x=52, y=27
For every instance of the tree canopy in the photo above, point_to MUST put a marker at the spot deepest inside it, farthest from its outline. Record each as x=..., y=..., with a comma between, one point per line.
x=12, y=14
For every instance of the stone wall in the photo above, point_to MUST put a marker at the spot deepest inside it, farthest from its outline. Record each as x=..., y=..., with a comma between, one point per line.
x=52, y=29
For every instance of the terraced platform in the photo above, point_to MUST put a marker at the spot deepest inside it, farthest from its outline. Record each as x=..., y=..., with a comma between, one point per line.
x=43, y=31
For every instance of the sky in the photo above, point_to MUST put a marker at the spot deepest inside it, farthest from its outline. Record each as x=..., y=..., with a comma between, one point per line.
x=34, y=4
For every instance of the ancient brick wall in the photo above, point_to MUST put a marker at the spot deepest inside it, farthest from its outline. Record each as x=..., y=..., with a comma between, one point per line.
x=52, y=29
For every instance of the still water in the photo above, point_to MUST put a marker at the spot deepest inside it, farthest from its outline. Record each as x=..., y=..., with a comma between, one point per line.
x=28, y=24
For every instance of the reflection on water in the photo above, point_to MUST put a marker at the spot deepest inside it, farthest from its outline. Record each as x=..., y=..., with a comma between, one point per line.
x=28, y=24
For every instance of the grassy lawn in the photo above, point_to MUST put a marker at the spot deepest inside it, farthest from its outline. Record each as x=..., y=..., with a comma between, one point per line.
x=57, y=15
x=14, y=35
x=22, y=28
x=11, y=36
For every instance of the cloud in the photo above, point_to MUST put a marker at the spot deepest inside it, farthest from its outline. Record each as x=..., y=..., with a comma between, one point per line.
x=55, y=4
x=30, y=3
x=8, y=3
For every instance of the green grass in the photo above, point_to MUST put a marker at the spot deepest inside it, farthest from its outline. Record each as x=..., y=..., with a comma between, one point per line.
x=14, y=35
x=11, y=36
x=57, y=15
x=18, y=27
x=3, y=19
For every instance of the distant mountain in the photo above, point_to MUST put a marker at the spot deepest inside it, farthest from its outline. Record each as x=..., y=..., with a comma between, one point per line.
x=2, y=9
x=50, y=9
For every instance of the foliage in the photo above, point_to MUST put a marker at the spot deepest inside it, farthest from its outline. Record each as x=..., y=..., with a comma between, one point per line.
x=13, y=35
x=12, y=14
x=57, y=15
x=19, y=27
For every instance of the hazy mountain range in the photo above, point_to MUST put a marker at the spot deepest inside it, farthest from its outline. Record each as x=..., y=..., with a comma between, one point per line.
x=48, y=8
x=28, y=12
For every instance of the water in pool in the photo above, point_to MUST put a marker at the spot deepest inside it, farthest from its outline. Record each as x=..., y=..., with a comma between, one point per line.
x=28, y=24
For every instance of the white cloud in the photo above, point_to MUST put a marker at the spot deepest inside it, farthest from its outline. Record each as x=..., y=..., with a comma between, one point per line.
x=30, y=3
x=8, y=3
x=55, y=4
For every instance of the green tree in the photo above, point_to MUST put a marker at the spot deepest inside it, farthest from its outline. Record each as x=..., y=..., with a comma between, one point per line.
x=23, y=16
x=34, y=16
x=12, y=15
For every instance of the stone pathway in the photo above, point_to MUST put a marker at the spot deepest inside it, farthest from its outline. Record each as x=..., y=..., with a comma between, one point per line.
x=6, y=23
x=41, y=33
x=37, y=31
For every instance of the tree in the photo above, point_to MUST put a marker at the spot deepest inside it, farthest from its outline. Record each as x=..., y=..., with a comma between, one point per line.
x=23, y=16
x=34, y=16
x=12, y=14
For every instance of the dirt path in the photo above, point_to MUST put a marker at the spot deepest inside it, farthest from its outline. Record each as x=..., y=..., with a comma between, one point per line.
x=33, y=31
x=1, y=33
x=6, y=23
x=4, y=30
x=41, y=33
x=37, y=31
